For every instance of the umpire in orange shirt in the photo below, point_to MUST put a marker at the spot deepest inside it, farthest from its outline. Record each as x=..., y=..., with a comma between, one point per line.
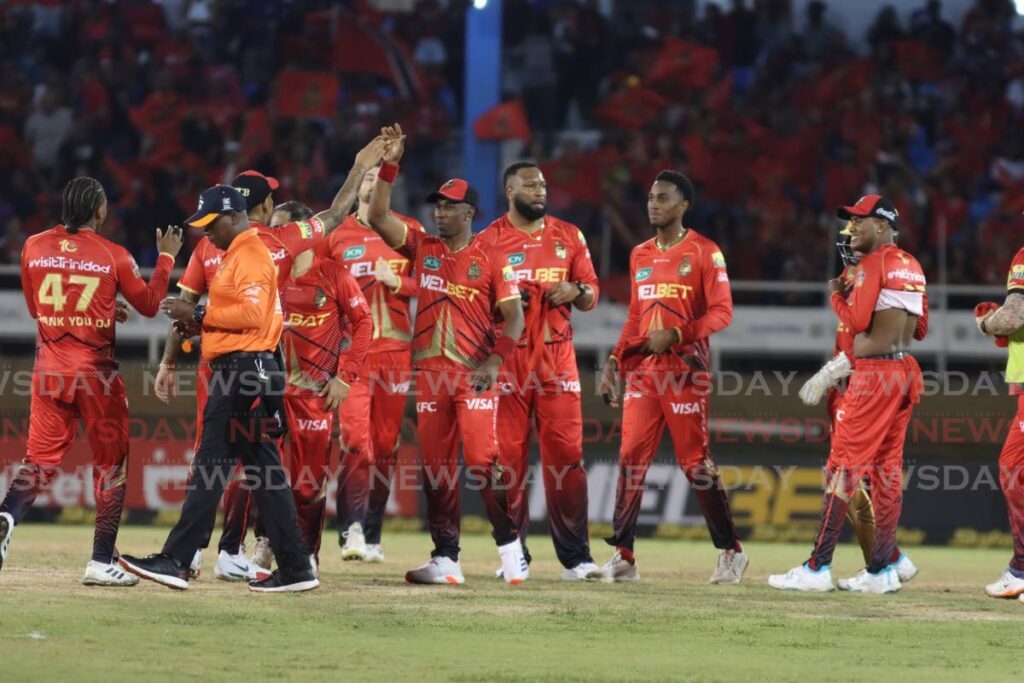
x=241, y=326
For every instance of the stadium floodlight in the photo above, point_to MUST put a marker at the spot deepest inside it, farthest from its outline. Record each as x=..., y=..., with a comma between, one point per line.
x=481, y=4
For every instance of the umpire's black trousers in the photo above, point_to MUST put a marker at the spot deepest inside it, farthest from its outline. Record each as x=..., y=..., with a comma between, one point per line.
x=234, y=430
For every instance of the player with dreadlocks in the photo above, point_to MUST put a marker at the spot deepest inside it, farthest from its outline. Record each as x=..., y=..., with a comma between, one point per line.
x=71, y=276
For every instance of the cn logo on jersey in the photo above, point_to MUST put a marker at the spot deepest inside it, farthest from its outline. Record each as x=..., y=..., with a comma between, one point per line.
x=517, y=259
x=686, y=408
x=480, y=404
x=426, y=406
x=432, y=263
x=352, y=253
x=67, y=246
x=313, y=425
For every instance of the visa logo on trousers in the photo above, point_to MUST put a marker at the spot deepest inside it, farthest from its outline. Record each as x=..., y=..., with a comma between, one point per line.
x=686, y=408
x=480, y=404
x=313, y=425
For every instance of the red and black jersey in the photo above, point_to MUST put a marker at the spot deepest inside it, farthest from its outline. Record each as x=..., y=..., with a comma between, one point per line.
x=70, y=282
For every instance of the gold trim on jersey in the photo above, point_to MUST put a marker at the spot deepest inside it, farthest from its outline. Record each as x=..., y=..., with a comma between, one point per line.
x=443, y=342
x=383, y=326
x=296, y=377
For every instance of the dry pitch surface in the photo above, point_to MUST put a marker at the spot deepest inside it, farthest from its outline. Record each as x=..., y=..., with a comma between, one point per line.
x=365, y=623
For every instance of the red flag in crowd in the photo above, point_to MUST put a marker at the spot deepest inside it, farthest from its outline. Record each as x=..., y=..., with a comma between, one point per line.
x=632, y=107
x=580, y=177
x=506, y=121
x=303, y=94
x=683, y=64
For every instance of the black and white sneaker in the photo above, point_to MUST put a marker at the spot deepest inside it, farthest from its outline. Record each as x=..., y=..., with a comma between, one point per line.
x=286, y=582
x=6, y=531
x=161, y=568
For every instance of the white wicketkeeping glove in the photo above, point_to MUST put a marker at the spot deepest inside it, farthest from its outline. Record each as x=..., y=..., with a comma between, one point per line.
x=827, y=377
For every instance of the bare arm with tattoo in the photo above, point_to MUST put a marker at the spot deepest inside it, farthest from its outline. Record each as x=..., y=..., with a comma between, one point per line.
x=1007, y=319
x=367, y=158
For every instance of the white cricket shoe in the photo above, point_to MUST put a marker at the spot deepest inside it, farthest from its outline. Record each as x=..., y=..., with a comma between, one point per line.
x=621, y=570
x=6, y=531
x=885, y=581
x=1008, y=586
x=803, y=578
x=99, y=574
x=374, y=554
x=314, y=566
x=263, y=554
x=587, y=571
x=195, y=568
x=237, y=568
x=514, y=568
x=905, y=569
x=355, y=543
x=730, y=567
x=440, y=570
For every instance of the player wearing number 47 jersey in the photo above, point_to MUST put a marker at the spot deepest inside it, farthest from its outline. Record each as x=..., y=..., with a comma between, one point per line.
x=680, y=297
x=457, y=352
x=71, y=277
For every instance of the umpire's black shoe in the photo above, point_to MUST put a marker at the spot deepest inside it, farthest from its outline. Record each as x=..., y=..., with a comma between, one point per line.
x=161, y=568
x=285, y=581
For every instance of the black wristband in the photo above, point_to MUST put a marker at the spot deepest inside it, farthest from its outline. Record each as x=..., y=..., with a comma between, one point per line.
x=982, y=327
x=582, y=287
x=198, y=313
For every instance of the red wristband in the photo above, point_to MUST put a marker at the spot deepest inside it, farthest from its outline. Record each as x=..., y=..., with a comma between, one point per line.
x=388, y=172
x=504, y=346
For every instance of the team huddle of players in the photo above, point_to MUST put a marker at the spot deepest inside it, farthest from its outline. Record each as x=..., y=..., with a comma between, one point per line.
x=489, y=353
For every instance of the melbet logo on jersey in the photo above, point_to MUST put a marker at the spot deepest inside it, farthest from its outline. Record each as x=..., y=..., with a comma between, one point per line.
x=436, y=283
x=432, y=263
x=352, y=253
x=67, y=246
x=664, y=290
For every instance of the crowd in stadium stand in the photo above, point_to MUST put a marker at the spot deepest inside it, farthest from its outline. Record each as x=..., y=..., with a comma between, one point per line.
x=777, y=115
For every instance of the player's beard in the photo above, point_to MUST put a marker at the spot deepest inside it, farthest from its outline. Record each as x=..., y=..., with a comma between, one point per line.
x=527, y=210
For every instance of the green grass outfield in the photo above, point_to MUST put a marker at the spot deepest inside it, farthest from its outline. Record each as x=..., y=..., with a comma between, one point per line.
x=365, y=623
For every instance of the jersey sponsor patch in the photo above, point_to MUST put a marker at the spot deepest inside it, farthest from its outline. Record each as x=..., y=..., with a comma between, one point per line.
x=305, y=229
x=718, y=259
x=643, y=274
x=517, y=259
x=352, y=253
x=473, y=272
x=685, y=267
x=432, y=263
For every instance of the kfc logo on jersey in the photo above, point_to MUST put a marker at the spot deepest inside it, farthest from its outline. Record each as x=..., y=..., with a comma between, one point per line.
x=426, y=406
x=480, y=404
x=686, y=408
x=313, y=425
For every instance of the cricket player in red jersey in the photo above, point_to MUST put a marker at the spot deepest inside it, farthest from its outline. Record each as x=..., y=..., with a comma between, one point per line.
x=371, y=416
x=71, y=276
x=285, y=243
x=882, y=313
x=457, y=351
x=540, y=379
x=861, y=512
x=680, y=297
x=1005, y=323
x=320, y=301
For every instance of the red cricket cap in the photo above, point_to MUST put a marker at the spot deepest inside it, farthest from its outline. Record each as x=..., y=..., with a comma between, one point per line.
x=870, y=205
x=456, y=190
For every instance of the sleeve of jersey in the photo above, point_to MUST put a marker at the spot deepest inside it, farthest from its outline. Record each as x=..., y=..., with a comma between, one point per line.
x=360, y=323
x=1015, y=280
x=252, y=286
x=26, y=286
x=631, y=328
x=583, y=269
x=144, y=298
x=718, y=293
x=855, y=313
x=921, y=330
x=407, y=287
x=410, y=243
x=194, y=278
x=301, y=236
x=504, y=282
